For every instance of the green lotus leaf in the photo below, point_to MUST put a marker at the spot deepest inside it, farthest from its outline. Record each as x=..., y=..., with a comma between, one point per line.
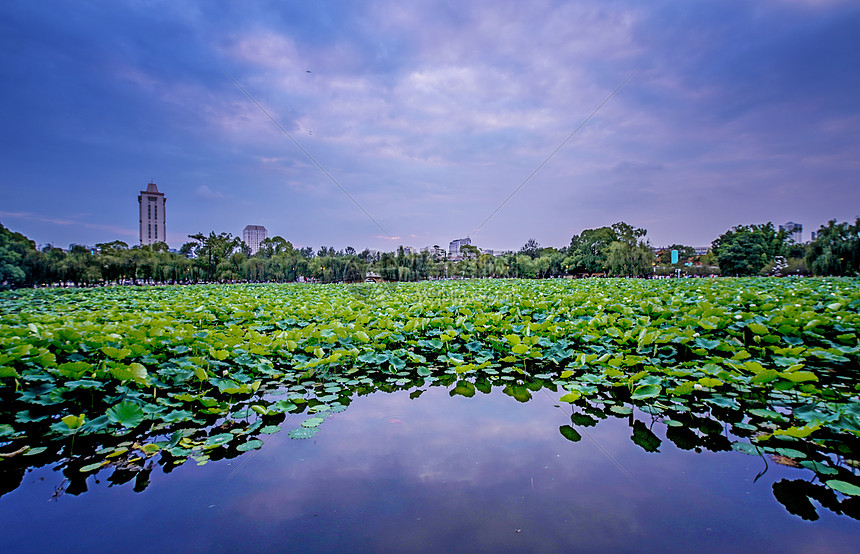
x=799, y=376
x=313, y=422
x=767, y=414
x=747, y=448
x=513, y=340
x=283, y=406
x=819, y=467
x=791, y=453
x=8, y=372
x=219, y=439
x=710, y=382
x=303, y=432
x=722, y=401
x=253, y=444
x=707, y=344
x=643, y=392
x=115, y=353
x=569, y=433
x=127, y=414
x=92, y=467
x=683, y=388
x=798, y=432
x=572, y=396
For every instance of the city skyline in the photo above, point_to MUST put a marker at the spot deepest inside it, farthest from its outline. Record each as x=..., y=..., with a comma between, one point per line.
x=429, y=117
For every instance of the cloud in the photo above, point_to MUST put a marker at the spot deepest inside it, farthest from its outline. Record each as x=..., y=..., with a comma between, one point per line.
x=430, y=116
x=30, y=216
x=205, y=193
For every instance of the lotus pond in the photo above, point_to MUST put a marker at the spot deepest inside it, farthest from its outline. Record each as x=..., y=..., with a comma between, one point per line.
x=476, y=415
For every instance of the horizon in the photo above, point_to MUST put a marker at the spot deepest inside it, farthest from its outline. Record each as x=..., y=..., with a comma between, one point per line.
x=428, y=117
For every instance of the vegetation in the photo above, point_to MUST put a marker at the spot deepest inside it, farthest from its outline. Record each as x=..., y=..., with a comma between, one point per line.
x=616, y=250
x=836, y=249
x=105, y=379
x=747, y=249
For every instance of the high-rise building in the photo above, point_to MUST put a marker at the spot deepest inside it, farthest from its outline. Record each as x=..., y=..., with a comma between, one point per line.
x=253, y=235
x=152, y=215
x=454, y=246
x=793, y=230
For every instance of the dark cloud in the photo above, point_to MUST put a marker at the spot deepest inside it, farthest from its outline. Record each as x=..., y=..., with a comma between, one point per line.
x=430, y=115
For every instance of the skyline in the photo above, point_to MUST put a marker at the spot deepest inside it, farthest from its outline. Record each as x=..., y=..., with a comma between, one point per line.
x=429, y=117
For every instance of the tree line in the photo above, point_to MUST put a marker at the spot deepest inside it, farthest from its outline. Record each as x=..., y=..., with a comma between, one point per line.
x=616, y=250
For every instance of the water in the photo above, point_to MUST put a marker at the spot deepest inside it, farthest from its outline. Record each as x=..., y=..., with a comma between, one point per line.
x=436, y=474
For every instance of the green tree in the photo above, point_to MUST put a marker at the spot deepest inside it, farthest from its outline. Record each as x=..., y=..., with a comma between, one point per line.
x=531, y=249
x=470, y=251
x=587, y=252
x=746, y=249
x=629, y=254
x=211, y=250
x=80, y=266
x=14, y=251
x=835, y=250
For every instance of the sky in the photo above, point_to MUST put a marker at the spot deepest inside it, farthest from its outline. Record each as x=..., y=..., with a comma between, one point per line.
x=410, y=123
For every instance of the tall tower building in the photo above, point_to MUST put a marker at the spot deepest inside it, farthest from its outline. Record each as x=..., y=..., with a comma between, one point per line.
x=152, y=215
x=253, y=235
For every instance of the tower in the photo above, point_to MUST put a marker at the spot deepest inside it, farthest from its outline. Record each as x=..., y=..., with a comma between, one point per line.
x=253, y=235
x=152, y=215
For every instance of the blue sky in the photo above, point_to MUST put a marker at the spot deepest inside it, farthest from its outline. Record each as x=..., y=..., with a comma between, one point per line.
x=429, y=114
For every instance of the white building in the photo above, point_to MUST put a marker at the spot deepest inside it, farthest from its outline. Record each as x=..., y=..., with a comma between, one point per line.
x=455, y=245
x=793, y=230
x=152, y=215
x=253, y=235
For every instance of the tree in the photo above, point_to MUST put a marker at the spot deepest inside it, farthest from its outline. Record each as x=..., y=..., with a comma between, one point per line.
x=631, y=260
x=14, y=250
x=835, y=250
x=746, y=249
x=587, y=253
x=629, y=254
x=213, y=249
x=79, y=266
x=470, y=251
x=326, y=251
x=531, y=249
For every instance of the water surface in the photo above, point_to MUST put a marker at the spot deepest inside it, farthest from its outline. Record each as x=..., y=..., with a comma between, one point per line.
x=437, y=473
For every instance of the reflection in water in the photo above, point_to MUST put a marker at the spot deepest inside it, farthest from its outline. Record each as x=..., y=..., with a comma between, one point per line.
x=438, y=465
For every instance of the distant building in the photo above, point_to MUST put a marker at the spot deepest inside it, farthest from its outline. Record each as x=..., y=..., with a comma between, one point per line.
x=435, y=251
x=253, y=235
x=455, y=245
x=701, y=250
x=152, y=215
x=793, y=230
